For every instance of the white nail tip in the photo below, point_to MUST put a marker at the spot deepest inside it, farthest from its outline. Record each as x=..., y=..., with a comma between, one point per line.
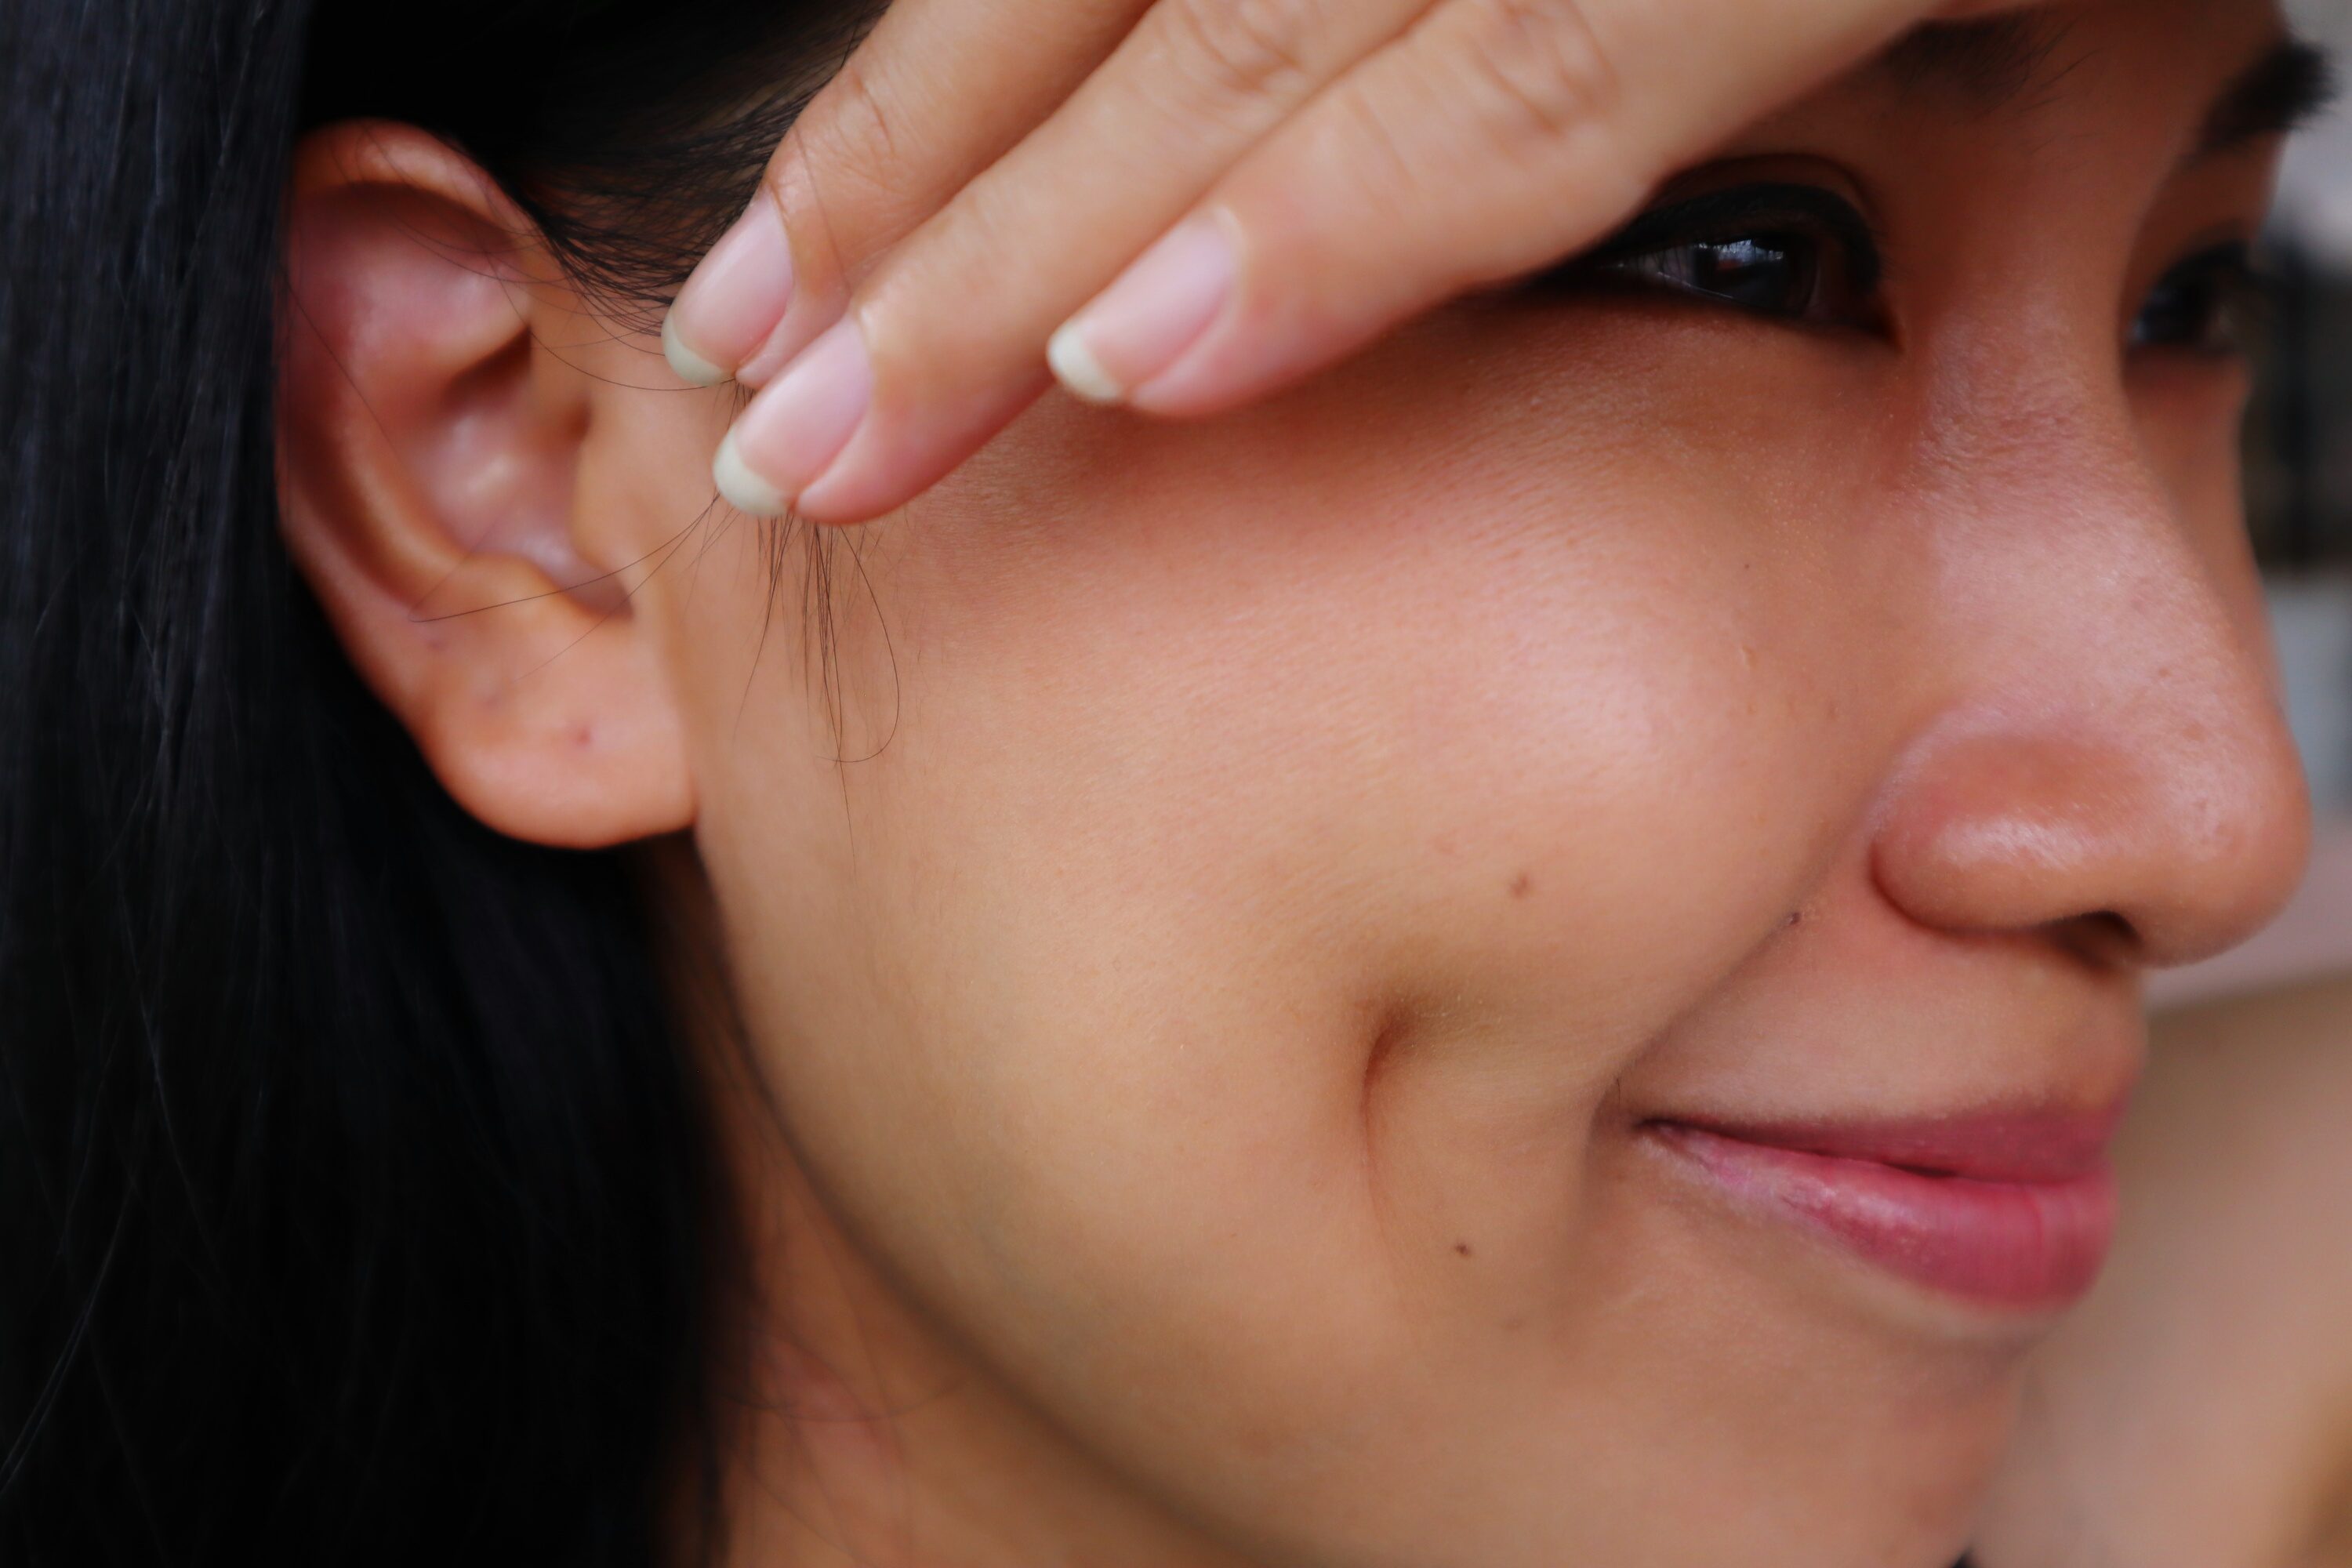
x=1075, y=367
x=690, y=366
x=745, y=490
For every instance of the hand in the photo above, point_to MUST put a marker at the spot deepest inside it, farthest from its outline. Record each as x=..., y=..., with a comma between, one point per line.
x=1183, y=206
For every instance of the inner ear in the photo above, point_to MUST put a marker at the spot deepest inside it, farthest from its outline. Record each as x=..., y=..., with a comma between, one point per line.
x=430, y=449
x=424, y=306
x=501, y=457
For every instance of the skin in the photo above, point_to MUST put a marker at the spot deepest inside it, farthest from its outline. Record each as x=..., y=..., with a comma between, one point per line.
x=2198, y=1408
x=1201, y=968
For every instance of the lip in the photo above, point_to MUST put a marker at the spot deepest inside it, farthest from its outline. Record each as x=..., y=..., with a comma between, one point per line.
x=2009, y=1211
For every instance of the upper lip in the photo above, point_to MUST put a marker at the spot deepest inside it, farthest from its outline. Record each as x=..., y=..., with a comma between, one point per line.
x=2031, y=1145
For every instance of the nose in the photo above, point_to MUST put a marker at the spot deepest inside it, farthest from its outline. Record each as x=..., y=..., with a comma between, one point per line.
x=2105, y=755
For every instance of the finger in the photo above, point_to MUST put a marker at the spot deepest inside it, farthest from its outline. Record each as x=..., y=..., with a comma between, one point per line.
x=937, y=92
x=943, y=342
x=1497, y=137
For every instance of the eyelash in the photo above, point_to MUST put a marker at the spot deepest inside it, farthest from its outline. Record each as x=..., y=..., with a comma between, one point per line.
x=2220, y=301
x=1786, y=251
x=1802, y=253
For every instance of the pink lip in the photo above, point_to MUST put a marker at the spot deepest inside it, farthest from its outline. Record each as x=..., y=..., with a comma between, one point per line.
x=2012, y=1211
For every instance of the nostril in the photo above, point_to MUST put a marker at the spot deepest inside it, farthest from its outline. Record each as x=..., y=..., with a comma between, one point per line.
x=2104, y=939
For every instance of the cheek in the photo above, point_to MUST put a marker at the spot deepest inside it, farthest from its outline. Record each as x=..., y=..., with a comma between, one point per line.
x=2189, y=412
x=1260, y=863
x=1194, y=792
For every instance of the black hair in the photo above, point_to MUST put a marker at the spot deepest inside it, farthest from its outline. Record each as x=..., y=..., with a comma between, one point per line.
x=357, y=1201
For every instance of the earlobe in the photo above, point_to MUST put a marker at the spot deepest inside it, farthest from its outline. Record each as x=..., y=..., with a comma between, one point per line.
x=428, y=448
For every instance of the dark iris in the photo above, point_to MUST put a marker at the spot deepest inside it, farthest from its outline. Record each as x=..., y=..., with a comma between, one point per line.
x=2211, y=302
x=1792, y=251
x=1779, y=274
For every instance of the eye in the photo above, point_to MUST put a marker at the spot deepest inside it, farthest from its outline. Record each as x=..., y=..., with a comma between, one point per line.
x=2214, y=302
x=1795, y=252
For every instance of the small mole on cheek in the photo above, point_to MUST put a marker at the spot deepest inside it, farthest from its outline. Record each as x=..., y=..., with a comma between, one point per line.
x=1794, y=917
x=1522, y=885
x=1461, y=1248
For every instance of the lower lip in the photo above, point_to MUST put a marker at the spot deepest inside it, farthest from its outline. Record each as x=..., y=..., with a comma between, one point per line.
x=2018, y=1246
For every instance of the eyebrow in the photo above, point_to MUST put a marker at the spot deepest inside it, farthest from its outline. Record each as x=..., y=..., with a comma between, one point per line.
x=1991, y=61
x=1994, y=61
x=2292, y=82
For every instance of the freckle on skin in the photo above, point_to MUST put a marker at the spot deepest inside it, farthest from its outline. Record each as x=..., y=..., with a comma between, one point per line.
x=583, y=737
x=1462, y=1248
x=1522, y=885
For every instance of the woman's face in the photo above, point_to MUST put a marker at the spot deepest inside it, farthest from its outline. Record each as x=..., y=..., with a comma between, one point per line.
x=1293, y=878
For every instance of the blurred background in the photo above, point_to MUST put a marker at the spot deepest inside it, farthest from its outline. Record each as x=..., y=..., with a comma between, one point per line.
x=2299, y=504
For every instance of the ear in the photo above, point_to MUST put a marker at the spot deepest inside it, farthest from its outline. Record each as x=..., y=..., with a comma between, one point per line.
x=429, y=445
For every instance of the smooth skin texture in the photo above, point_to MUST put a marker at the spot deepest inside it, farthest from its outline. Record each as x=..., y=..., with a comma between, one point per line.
x=1206, y=957
x=2198, y=1408
x=1319, y=173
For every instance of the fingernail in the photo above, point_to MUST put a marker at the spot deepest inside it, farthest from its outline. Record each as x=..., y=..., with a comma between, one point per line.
x=745, y=490
x=797, y=425
x=733, y=298
x=1144, y=321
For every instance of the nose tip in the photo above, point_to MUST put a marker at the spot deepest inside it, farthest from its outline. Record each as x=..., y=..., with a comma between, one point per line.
x=2187, y=838
x=2105, y=758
